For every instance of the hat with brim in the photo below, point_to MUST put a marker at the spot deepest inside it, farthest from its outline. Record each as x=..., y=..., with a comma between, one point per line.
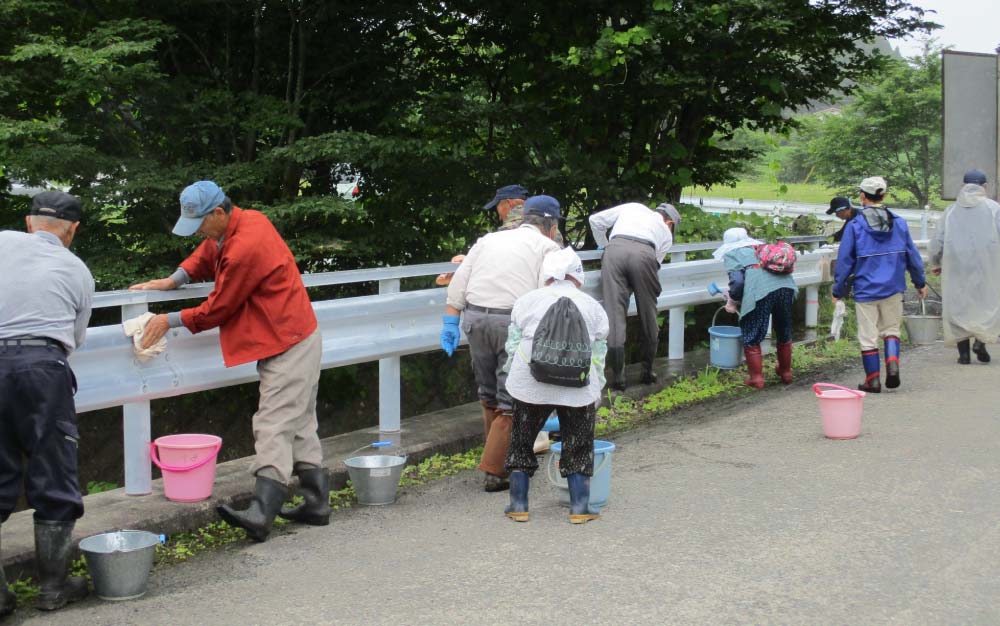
x=546, y=206
x=57, y=204
x=732, y=239
x=670, y=211
x=974, y=177
x=873, y=186
x=839, y=204
x=197, y=201
x=510, y=192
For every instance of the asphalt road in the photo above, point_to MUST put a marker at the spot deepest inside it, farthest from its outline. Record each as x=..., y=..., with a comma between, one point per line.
x=737, y=511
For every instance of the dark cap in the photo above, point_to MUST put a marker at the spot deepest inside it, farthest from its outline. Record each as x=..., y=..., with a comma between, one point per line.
x=58, y=204
x=546, y=206
x=839, y=204
x=975, y=177
x=510, y=192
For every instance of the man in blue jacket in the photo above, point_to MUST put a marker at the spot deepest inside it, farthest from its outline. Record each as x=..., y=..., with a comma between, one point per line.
x=878, y=250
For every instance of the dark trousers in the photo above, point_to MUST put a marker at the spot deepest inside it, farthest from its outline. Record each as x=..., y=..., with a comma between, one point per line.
x=629, y=267
x=38, y=433
x=576, y=428
x=487, y=334
x=776, y=305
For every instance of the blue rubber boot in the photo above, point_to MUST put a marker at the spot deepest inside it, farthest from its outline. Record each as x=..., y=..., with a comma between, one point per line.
x=892, y=362
x=873, y=383
x=517, y=510
x=579, y=499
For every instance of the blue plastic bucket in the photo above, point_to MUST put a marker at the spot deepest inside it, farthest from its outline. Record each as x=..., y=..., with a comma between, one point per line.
x=600, y=483
x=725, y=345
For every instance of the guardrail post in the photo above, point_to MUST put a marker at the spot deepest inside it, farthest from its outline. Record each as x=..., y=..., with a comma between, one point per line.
x=388, y=378
x=924, y=219
x=812, y=298
x=137, y=431
x=675, y=341
x=812, y=306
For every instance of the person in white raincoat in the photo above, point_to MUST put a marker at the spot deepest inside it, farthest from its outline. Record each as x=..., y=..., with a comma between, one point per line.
x=966, y=246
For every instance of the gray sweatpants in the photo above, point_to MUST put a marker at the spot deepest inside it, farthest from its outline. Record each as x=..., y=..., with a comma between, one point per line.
x=630, y=266
x=487, y=334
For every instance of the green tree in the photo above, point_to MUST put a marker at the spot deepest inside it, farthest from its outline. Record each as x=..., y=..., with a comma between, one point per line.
x=435, y=104
x=892, y=129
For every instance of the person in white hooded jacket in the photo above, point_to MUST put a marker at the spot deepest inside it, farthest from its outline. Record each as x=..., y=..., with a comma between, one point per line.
x=966, y=247
x=534, y=400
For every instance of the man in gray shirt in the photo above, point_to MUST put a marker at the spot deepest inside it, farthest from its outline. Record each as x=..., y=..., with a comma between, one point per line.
x=44, y=311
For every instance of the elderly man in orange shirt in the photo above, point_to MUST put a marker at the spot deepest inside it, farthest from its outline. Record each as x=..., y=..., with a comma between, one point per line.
x=263, y=314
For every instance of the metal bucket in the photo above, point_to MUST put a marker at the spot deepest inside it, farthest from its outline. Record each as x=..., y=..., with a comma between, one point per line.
x=922, y=329
x=120, y=562
x=375, y=477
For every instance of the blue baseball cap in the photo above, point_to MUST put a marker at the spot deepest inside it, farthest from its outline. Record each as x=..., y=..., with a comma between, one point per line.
x=197, y=201
x=510, y=192
x=542, y=205
x=975, y=177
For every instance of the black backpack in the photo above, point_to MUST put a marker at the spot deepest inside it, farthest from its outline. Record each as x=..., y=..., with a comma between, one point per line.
x=560, y=351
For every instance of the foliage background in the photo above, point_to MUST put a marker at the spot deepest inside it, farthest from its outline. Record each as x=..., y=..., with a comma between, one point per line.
x=435, y=104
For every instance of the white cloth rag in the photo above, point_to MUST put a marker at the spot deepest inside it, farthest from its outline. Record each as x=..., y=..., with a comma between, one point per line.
x=134, y=328
x=839, y=312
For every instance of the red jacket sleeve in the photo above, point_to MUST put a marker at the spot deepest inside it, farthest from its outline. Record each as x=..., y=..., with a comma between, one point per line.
x=238, y=276
x=200, y=266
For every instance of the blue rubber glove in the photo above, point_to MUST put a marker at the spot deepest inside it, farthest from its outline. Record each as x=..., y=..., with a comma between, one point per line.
x=450, y=334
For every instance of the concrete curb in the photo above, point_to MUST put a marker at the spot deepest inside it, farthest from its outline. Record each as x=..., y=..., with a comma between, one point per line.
x=449, y=431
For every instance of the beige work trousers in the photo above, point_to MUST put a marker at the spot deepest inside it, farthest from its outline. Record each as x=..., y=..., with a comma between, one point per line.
x=284, y=426
x=878, y=319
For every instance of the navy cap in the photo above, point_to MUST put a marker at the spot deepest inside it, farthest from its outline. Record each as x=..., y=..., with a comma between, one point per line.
x=57, y=204
x=839, y=204
x=510, y=192
x=546, y=206
x=975, y=177
x=197, y=201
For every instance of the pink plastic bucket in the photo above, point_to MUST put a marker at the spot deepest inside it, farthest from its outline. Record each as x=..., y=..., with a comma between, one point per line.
x=840, y=409
x=188, y=465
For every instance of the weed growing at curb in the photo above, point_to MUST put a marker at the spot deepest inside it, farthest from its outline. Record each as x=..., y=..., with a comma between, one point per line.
x=622, y=413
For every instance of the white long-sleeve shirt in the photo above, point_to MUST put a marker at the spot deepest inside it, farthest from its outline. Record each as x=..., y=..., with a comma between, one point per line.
x=500, y=268
x=635, y=220
x=528, y=313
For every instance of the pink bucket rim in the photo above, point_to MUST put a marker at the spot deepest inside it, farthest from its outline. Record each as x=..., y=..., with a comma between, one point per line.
x=209, y=441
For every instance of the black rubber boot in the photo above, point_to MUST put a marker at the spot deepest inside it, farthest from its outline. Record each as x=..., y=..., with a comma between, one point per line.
x=616, y=361
x=517, y=510
x=964, y=358
x=579, y=499
x=980, y=349
x=8, y=601
x=53, y=543
x=648, y=375
x=257, y=518
x=314, y=487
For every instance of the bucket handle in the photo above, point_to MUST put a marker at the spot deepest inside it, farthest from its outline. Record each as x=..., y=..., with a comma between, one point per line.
x=550, y=467
x=378, y=445
x=818, y=392
x=720, y=309
x=176, y=468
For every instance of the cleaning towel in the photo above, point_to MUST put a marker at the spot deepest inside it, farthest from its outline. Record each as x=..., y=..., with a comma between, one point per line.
x=134, y=329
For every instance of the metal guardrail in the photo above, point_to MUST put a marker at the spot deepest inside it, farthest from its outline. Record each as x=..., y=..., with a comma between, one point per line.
x=924, y=219
x=380, y=327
